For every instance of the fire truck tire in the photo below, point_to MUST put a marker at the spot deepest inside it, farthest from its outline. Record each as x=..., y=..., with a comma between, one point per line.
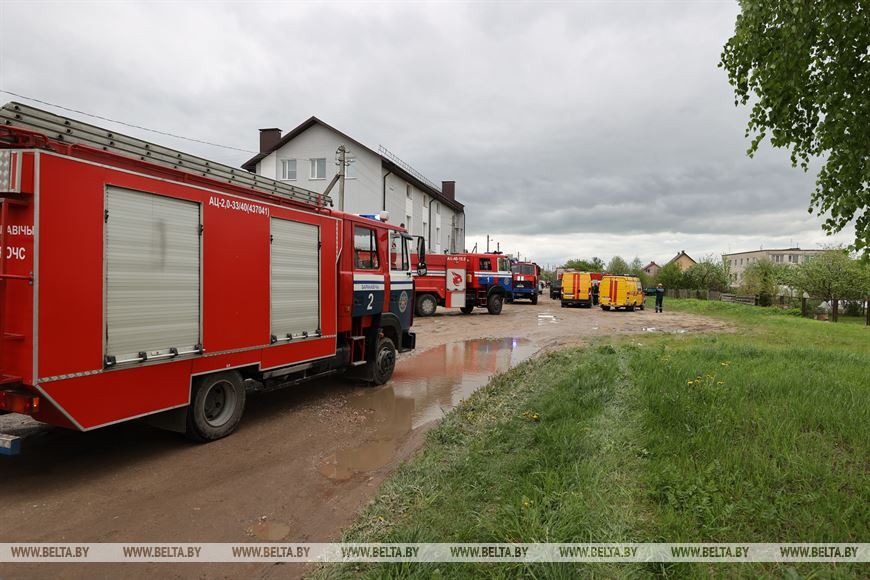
x=466, y=309
x=385, y=361
x=426, y=305
x=495, y=303
x=605, y=308
x=534, y=298
x=641, y=306
x=216, y=406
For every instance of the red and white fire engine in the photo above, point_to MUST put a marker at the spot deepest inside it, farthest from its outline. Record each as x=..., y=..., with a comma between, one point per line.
x=463, y=281
x=139, y=281
x=526, y=278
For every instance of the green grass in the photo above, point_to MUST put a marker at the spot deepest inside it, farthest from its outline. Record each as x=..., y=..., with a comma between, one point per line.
x=758, y=435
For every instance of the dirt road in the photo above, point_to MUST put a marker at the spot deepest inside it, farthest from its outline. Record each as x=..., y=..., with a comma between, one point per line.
x=303, y=463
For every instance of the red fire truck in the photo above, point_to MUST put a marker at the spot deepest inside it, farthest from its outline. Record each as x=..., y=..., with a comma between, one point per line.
x=526, y=277
x=463, y=281
x=139, y=281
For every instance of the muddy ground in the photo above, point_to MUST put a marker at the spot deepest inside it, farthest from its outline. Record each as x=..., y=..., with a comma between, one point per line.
x=303, y=463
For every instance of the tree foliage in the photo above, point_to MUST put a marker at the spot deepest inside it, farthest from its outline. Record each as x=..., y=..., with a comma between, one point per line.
x=832, y=275
x=617, y=265
x=670, y=276
x=635, y=268
x=708, y=274
x=762, y=277
x=596, y=264
x=806, y=67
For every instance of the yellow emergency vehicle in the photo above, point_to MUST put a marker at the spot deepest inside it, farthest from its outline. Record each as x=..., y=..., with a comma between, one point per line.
x=577, y=289
x=620, y=292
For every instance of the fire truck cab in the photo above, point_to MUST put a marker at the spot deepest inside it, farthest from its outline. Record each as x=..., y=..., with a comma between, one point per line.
x=526, y=276
x=463, y=281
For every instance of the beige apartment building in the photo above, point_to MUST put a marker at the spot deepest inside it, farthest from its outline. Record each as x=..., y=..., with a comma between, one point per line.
x=736, y=263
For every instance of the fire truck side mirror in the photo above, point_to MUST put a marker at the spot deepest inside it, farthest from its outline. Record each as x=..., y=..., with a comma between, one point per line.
x=421, y=256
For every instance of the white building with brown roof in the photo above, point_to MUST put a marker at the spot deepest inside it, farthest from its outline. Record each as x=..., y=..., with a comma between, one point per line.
x=375, y=181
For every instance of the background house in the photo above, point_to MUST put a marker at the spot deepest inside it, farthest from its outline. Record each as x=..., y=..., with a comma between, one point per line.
x=652, y=270
x=375, y=181
x=683, y=260
x=737, y=262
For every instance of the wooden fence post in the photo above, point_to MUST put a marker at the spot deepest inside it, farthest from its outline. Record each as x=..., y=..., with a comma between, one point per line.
x=804, y=307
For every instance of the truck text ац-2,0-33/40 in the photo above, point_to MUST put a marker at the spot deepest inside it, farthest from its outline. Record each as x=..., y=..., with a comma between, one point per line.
x=138, y=281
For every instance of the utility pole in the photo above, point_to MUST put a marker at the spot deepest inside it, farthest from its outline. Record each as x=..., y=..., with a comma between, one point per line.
x=342, y=167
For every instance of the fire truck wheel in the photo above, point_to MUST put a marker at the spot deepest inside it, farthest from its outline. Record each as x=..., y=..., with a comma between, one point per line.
x=605, y=308
x=426, y=305
x=216, y=406
x=534, y=298
x=466, y=309
x=385, y=361
x=495, y=303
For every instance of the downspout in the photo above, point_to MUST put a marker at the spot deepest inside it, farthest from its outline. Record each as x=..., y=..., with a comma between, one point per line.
x=431, y=201
x=386, y=175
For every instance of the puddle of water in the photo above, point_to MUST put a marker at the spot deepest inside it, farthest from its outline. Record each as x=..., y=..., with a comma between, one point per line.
x=423, y=388
x=270, y=531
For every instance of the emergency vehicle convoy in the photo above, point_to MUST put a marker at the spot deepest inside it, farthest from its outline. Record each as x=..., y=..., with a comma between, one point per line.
x=621, y=292
x=139, y=281
x=463, y=281
x=526, y=276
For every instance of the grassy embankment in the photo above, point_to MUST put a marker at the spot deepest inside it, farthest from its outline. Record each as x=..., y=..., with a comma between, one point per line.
x=761, y=435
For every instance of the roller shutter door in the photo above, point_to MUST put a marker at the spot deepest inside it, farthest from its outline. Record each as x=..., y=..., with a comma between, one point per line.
x=295, y=279
x=152, y=275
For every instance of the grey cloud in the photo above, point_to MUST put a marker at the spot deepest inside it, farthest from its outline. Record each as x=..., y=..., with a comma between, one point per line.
x=554, y=119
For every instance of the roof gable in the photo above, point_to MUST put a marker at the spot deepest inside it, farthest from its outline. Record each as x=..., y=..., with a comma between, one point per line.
x=251, y=164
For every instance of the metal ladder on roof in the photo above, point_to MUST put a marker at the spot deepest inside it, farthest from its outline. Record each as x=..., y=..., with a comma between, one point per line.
x=78, y=133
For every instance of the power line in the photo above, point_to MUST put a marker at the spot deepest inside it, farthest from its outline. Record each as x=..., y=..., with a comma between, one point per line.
x=126, y=124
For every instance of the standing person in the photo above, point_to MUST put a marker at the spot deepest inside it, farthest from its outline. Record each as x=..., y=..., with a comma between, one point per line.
x=660, y=296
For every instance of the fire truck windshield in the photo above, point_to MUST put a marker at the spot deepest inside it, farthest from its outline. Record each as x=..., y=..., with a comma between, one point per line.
x=526, y=269
x=504, y=265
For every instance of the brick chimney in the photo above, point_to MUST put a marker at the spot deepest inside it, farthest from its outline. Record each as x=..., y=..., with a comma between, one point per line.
x=448, y=188
x=268, y=139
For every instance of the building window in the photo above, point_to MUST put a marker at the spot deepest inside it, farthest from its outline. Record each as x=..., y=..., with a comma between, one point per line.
x=408, y=191
x=408, y=220
x=318, y=168
x=794, y=258
x=350, y=169
x=365, y=245
x=438, y=208
x=288, y=169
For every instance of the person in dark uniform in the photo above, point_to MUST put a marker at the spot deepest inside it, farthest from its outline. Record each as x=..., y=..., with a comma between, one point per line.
x=660, y=296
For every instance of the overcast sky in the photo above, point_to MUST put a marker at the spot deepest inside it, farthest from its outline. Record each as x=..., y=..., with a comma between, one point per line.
x=572, y=129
